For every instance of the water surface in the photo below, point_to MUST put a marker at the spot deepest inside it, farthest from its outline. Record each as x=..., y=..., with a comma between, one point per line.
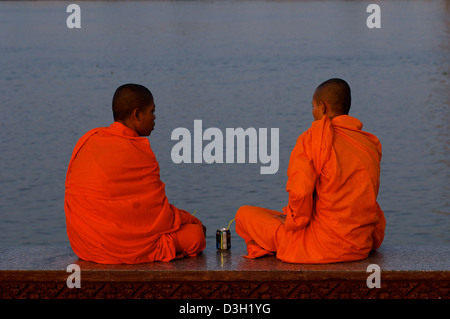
x=230, y=64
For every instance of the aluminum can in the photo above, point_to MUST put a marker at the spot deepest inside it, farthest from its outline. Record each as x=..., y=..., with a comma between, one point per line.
x=223, y=239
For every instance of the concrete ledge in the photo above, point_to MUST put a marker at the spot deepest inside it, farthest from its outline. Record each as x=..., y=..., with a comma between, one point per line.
x=406, y=273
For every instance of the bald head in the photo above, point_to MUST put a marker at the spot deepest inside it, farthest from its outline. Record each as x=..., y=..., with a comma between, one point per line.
x=129, y=97
x=335, y=95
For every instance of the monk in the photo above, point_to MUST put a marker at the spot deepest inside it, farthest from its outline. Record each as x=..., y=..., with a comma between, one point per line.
x=332, y=214
x=115, y=203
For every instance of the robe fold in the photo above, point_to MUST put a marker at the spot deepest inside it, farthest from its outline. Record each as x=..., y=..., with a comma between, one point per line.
x=332, y=213
x=115, y=203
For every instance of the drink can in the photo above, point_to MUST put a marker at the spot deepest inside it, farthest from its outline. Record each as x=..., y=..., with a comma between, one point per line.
x=223, y=239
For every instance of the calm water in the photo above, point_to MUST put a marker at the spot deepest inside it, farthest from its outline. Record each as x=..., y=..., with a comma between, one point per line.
x=230, y=64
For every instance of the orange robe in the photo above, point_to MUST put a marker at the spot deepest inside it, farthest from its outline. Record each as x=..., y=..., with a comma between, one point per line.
x=332, y=213
x=115, y=203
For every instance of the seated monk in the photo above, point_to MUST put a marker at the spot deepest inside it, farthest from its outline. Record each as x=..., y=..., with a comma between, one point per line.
x=115, y=203
x=332, y=213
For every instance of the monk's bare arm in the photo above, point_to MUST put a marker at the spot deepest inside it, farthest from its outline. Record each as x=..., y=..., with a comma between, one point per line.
x=281, y=218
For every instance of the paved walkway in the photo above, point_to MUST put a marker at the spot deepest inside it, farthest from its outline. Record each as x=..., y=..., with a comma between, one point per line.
x=405, y=272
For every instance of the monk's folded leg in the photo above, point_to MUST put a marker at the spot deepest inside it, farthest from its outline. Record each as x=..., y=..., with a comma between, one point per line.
x=259, y=228
x=189, y=240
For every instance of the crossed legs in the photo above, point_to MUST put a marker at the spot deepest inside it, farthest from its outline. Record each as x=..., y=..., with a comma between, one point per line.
x=259, y=228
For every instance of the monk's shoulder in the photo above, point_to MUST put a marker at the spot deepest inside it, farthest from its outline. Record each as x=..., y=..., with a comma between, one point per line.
x=302, y=146
x=90, y=133
x=305, y=138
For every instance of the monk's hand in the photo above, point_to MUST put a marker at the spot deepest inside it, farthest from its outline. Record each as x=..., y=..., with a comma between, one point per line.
x=281, y=218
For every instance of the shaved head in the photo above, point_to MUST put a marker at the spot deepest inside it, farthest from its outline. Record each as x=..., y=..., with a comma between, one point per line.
x=129, y=97
x=336, y=94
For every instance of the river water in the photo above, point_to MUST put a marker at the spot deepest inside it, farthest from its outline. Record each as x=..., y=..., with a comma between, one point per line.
x=230, y=64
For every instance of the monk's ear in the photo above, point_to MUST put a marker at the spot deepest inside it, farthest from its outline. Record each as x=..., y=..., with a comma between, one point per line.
x=323, y=107
x=136, y=113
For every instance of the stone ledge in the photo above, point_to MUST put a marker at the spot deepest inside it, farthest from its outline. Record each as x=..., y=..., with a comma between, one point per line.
x=406, y=272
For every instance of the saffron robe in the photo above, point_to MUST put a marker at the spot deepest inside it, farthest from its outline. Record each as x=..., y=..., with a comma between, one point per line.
x=115, y=203
x=332, y=213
